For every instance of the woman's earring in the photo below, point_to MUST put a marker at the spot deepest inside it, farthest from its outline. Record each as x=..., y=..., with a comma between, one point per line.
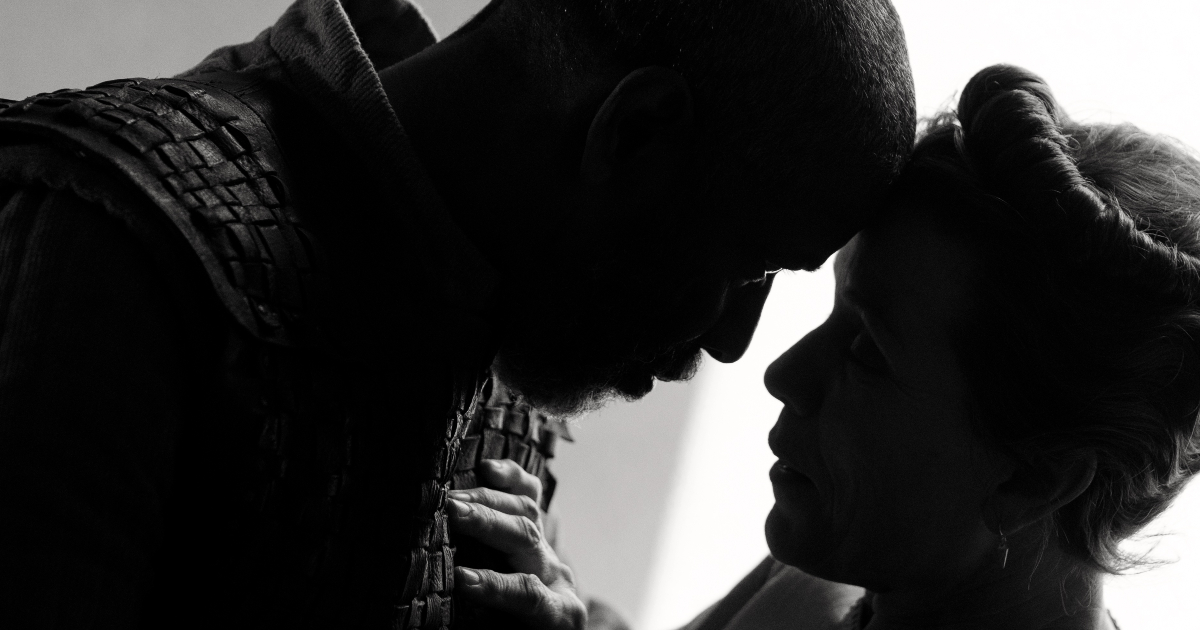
x=1003, y=546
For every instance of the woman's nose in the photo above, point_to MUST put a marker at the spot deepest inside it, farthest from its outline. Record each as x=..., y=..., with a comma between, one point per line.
x=800, y=376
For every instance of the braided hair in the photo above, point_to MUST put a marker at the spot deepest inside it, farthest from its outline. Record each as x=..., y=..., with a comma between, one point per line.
x=1083, y=338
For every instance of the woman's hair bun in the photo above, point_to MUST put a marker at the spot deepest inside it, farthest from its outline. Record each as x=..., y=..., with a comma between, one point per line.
x=1012, y=136
x=1082, y=332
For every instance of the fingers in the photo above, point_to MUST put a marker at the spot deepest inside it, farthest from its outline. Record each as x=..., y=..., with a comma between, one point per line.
x=518, y=537
x=505, y=516
x=555, y=607
x=508, y=476
x=516, y=505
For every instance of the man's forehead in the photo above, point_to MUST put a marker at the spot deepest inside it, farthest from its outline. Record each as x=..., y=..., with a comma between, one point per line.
x=799, y=247
x=804, y=236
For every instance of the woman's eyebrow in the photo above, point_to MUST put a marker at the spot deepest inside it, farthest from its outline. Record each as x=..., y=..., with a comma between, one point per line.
x=869, y=309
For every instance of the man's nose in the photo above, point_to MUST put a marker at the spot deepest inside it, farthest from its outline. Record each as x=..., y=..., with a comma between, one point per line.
x=728, y=339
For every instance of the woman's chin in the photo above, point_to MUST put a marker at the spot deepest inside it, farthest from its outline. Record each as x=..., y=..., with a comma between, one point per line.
x=795, y=540
x=812, y=546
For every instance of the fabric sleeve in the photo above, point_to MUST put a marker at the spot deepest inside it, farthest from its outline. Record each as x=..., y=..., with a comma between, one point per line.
x=91, y=375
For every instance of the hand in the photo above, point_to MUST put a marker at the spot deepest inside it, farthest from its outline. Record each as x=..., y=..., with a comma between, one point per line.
x=505, y=516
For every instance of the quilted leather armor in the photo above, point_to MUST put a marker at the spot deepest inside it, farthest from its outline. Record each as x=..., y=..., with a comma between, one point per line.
x=204, y=154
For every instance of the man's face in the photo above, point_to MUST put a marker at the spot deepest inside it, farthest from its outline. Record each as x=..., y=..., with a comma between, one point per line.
x=637, y=291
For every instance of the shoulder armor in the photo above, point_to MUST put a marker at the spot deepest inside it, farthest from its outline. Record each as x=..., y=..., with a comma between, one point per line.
x=209, y=161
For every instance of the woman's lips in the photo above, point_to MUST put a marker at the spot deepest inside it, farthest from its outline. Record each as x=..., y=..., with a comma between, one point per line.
x=792, y=487
x=782, y=473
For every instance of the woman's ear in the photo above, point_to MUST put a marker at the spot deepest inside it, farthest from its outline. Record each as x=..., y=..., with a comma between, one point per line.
x=644, y=127
x=1027, y=497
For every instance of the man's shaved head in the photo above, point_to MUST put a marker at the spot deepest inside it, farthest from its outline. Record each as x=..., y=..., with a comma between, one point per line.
x=808, y=98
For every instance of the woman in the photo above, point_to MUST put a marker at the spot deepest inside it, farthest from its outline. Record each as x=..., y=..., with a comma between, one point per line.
x=1007, y=387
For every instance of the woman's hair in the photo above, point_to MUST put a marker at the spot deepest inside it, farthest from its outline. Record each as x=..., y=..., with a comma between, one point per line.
x=1083, y=335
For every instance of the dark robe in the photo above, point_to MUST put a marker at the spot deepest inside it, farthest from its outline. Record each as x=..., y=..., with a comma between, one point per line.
x=167, y=464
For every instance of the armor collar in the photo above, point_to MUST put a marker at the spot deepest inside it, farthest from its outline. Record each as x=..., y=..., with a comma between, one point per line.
x=328, y=51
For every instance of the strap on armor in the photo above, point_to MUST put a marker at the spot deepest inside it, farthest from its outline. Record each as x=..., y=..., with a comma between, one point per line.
x=209, y=161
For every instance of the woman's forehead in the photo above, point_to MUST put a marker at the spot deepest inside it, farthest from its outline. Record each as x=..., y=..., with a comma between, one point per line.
x=908, y=262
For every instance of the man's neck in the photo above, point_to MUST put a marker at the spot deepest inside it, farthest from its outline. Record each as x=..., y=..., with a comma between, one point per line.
x=1035, y=591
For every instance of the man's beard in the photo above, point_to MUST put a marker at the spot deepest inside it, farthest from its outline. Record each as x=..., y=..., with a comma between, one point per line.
x=597, y=326
x=568, y=367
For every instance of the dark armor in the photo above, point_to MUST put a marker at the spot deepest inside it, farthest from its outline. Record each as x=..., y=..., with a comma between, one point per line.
x=204, y=151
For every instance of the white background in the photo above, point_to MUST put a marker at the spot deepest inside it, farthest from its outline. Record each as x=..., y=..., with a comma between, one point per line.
x=662, y=501
x=1110, y=61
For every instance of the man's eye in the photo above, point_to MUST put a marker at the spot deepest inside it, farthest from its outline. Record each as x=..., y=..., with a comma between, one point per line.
x=864, y=351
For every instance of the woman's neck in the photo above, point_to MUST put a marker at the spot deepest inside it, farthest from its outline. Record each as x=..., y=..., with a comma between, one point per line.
x=1033, y=591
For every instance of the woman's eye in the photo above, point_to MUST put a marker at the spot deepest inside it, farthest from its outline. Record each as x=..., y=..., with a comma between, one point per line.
x=864, y=351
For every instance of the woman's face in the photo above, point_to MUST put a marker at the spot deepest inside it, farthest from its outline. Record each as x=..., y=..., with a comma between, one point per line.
x=880, y=480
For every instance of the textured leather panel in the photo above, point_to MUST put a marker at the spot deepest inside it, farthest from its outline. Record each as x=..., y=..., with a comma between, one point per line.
x=500, y=428
x=425, y=600
x=210, y=163
x=203, y=151
x=506, y=428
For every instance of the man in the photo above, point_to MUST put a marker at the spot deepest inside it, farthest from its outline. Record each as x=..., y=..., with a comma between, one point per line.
x=249, y=313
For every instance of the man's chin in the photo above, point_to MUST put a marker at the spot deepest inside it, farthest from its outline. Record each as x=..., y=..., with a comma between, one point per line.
x=633, y=386
x=677, y=364
x=564, y=397
x=570, y=402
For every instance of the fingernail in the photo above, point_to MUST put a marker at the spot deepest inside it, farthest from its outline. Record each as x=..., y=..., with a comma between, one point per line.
x=494, y=463
x=468, y=577
x=458, y=508
x=459, y=494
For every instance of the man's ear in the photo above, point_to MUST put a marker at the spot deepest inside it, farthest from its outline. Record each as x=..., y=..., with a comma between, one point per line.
x=1026, y=497
x=646, y=122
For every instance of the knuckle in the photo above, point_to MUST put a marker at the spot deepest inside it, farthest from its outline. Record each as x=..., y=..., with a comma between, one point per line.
x=579, y=616
x=529, y=508
x=530, y=531
x=485, y=516
x=566, y=574
x=530, y=587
